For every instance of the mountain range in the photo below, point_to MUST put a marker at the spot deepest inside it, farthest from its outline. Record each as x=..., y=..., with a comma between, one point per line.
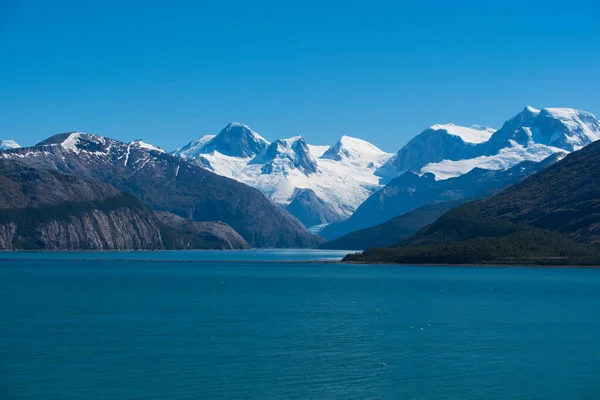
x=271, y=192
x=551, y=217
x=44, y=209
x=167, y=183
x=340, y=176
x=447, y=162
x=346, y=176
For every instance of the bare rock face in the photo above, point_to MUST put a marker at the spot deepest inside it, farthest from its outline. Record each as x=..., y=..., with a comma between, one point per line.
x=47, y=210
x=215, y=235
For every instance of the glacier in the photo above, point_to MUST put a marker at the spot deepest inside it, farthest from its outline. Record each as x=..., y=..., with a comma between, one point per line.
x=342, y=175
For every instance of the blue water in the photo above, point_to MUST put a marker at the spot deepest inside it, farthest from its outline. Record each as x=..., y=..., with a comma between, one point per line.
x=113, y=329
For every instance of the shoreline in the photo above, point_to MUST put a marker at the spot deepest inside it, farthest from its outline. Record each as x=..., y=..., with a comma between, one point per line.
x=310, y=262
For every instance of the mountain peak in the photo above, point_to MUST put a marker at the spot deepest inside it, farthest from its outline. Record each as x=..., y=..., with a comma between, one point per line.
x=236, y=140
x=348, y=147
x=531, y=110
x=234, y=124
x=287, y=153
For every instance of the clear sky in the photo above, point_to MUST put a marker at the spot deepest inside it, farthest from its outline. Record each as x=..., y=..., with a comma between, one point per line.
x=170, y=71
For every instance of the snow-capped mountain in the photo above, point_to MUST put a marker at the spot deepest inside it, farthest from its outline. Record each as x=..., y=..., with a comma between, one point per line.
x=235, y=140
x=532, y=135
x=341, y=175
x=8, y=144
x=287, y=154
x=445, y=157
x=434, y=144
x=411, y=190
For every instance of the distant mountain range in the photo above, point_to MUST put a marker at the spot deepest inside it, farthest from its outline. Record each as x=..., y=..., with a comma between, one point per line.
x=553, y=217
x=410, y=191
x=167, y=183
x=334, y=190
x=340, y=176
x=532, y=135
x=447, y=162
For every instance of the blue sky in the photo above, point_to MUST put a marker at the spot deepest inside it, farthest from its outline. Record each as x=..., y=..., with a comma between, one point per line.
x=171, y=71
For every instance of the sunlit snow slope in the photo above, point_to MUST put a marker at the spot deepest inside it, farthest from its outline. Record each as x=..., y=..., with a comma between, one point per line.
x=532, y=135
x=342, y=175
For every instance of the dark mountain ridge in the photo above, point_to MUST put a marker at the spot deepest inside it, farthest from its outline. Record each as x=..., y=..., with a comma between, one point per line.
x=48, y=210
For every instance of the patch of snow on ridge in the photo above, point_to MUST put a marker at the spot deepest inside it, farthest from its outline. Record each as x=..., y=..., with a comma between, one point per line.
x=532, y=110
x=506, y=158
x=8, y=144
x=147, y=146
x=194, y=148
x=565, y=114
x=474, y=134
x=70, y=143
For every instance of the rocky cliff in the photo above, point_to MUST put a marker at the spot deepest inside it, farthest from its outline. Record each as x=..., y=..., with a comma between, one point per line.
x=47, y=210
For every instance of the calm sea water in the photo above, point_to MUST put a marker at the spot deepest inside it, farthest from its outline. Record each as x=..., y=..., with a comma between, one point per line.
x=117, y=329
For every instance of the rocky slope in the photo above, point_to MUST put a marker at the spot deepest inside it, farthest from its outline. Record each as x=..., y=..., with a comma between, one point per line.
x=47, y=210
x=201, y=235
x=311, y=210
x=168, y=183
x=551, y=217
x=410, y=191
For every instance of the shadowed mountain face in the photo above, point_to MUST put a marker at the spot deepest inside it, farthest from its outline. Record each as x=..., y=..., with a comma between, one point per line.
x=553, y=217
x=393, y=230
x=410, y=191
x=311, y=210
x=48, y=210
x=167, y=183
x=193, y=235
